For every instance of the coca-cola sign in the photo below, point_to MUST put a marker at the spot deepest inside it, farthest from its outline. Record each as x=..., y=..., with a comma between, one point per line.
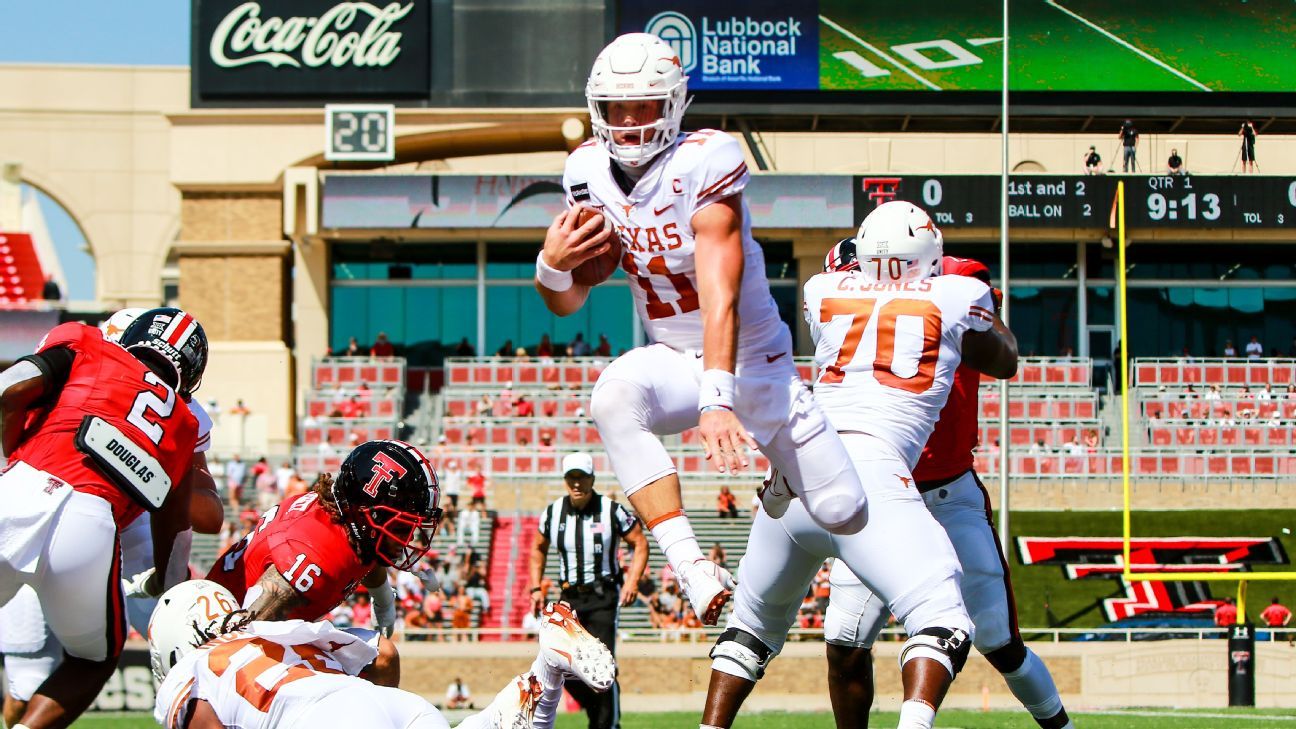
x=291, y=51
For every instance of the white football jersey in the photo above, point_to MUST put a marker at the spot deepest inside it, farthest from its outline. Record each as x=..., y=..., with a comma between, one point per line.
x=887, y=351
x=263, y=676
x=654, y=224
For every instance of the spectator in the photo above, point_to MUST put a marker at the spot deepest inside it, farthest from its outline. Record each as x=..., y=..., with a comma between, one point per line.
x=1038, y=447
x=1291, y=392
x=50, y=291
x=458, y=696
x=1129, y=137
x=296, y=486
x=352, y=348
x=604, y=348
x=1229, y=349
x=1174, y=165
x=267, y=486
x=461, y=619
x=326, y=447
x=580, y=347
x=477, y=487
x=1245, y=393
x=465, y=349
x=283, y=474
x=1091, y=440
x=726, y=504
x=520, y=354
x=1226, y=613
x=235, y=473
x=382, y=347
x=505, y=350
x=240, y=408
x=1248, y=135
x=718, y=556
x=1254, y=349
x=1093, y=162
x=545, y=349
x=1190, y=393
x=524, y=407
x=1213, y=393
x=362, y=612
x=452, y=481
x=1276, y=615
x=546, y=444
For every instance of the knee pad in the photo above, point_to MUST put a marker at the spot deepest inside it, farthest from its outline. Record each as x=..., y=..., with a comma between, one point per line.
x=611, y=404
x=840, y=514
x=945, y=646
x=739, y=653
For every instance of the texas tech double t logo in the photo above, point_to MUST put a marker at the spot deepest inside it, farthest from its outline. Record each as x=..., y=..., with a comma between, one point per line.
x=1101, y=558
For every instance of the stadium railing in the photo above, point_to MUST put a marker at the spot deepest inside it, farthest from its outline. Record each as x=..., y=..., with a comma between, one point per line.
x=1213, y=371
x=342, y=373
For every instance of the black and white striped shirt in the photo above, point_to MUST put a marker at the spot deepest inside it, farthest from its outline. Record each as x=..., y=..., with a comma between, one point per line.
x=586, y=540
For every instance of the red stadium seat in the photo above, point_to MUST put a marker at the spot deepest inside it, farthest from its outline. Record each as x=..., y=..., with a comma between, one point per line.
x=1229, y=436
x=1252, y=436
x=1240, y=465
x=1265, y=464
x=1208, y=436
x=1237, y=374
x=1161, y=436
x=1213, y=374
x=1145, y=374
x=460, y=375
x=1217, y=464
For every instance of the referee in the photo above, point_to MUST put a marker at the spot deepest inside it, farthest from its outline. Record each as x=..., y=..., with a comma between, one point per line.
x=586, y=529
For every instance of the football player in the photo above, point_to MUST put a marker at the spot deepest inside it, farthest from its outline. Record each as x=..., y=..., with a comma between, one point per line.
x=955, y=496
x=309, y=552
x=216, y=668
x=889, y=333
x=94, y=436
x=30, y=653
x=721, y=358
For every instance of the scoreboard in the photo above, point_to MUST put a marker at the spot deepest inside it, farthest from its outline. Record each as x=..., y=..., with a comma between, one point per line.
x=1085, y=201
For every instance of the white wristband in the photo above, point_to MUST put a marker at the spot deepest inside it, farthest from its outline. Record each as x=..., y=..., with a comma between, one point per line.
x=716, y=390
x=550, y=277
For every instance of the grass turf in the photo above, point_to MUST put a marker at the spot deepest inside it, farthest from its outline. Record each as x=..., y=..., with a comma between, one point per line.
x=1225, y=46
x=1133, y=719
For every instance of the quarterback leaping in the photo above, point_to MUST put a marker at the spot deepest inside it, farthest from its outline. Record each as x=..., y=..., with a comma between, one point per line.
x=721, y=356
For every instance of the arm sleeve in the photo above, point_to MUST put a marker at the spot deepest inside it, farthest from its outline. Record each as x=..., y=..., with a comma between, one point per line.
x=55, y=365
x=308, y=565
x=810, y=308
x=175, y=699
x=721, y=170
x=204, y=426
x=980, y=307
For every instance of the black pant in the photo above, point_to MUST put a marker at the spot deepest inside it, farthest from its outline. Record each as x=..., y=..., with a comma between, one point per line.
x=598, y=613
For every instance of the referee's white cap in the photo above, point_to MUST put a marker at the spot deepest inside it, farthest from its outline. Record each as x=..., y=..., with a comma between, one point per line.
x=582, y=462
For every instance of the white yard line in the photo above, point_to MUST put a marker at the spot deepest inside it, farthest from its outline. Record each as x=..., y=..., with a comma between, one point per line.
x=1189, y=715
x=1127, y=44
x=882, y=54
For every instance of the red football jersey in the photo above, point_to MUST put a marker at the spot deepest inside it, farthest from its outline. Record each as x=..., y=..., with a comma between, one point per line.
x=948, y=452
x=109, y=382
x=306, y=546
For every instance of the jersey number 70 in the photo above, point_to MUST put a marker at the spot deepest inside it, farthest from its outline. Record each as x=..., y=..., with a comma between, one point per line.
x=861, y=312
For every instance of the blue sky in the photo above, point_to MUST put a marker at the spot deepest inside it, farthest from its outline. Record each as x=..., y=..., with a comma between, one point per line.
x=129, y=32
x=154, y=32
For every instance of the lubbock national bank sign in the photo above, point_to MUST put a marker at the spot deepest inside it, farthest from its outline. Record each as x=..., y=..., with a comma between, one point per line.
x=728, y=44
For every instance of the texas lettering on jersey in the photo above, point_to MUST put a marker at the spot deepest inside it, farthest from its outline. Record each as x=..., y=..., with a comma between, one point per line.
x=654, y=223
x=888, y=351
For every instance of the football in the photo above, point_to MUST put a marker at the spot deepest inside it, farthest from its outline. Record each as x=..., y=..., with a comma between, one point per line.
x=601, y=267
x=598, y=269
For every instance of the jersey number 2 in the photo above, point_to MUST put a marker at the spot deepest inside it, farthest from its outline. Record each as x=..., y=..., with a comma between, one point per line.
x=861, y=312
x=658, y=309
x=146, y=403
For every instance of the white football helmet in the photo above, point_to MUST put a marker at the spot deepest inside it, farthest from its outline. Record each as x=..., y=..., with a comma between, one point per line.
x=187, y=616
x=116, y=324
x=898, y=242
x=637, y=66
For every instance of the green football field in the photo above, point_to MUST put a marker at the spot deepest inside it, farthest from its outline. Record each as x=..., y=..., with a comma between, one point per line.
x=1132, y=719
x=1059, y=45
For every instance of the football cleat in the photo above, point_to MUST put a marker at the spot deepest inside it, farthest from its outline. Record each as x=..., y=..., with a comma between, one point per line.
x=517, y=702
x=775, y=494
x=708, y=586
x=568, y=647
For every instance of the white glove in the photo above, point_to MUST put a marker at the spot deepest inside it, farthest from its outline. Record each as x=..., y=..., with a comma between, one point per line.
x=142, y=585
x=430, y=581
x=384, y=608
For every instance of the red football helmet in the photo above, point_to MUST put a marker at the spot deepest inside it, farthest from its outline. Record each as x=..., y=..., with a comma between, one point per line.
x=390, y=501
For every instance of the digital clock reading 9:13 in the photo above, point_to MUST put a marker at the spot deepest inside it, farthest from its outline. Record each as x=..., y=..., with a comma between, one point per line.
x=1188, y=207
